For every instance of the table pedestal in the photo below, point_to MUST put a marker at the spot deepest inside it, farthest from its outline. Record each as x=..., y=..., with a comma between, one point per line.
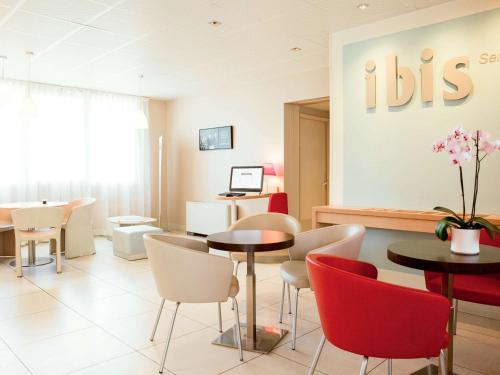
x=265, y=339
x=254, y=338
x=447, y=291
x=32, y=260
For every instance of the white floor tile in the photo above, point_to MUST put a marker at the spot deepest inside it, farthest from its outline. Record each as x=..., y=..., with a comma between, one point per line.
x=269, y=364
x=33, y=327
x=70, y=352
x=136, y=330
x=130, y=364
x=115, y=307
x=25, y=304
x=10, y=364
x=195, y=354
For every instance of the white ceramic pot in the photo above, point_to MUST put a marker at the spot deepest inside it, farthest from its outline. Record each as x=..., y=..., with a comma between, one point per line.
x=465, y=241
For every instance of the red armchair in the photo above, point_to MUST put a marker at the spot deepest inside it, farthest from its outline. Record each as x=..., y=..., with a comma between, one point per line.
x=484, y=289
x=374, y=319
x=278, y=202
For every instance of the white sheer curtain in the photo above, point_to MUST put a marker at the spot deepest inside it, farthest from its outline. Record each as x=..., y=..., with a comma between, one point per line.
x=78, y=143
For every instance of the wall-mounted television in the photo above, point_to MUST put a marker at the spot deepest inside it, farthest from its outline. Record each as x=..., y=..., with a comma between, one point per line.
x=219, y=138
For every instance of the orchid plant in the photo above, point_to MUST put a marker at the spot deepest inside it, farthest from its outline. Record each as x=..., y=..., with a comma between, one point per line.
x=463, y=146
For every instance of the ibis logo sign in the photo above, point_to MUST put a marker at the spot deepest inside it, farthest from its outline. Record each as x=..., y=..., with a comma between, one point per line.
x=400, y=80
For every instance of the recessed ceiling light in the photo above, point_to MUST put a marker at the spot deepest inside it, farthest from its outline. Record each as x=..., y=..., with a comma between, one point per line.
x=215, y=23
x=296, y=49
x=363, y=6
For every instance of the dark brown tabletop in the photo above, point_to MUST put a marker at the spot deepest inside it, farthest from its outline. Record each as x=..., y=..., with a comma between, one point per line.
x=250, y=240
x=435, y=255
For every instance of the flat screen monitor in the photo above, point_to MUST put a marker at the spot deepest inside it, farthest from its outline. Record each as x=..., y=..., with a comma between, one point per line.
x=246, y=179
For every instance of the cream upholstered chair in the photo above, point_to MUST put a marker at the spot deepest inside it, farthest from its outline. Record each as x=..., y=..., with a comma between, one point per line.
x=265, y=221
x=340, y=240
x=184, y=272
x=77, y=237
x=38, y=223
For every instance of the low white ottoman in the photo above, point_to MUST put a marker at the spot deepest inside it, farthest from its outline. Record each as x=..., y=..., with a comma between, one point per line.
x=128, y=242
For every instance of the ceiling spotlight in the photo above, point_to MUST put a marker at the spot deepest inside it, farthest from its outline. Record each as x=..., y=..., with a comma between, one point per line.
x=363, y=6
x=215, y=23
x=296, y=49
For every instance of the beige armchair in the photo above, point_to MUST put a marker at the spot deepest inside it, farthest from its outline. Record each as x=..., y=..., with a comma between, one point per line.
x=340, y=240
x=184, y=272
x=77, y=237
x=266, y=221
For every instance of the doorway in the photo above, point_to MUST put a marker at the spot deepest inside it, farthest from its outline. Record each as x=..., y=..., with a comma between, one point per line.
x=306, y=169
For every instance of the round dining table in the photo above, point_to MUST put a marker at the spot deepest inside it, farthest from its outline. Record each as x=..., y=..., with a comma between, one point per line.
x=436, y=256
x=256, y=338
x=33, y=260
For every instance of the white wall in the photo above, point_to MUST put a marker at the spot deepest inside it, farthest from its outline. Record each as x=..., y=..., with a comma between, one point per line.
x=255, y=111
x=384, y=158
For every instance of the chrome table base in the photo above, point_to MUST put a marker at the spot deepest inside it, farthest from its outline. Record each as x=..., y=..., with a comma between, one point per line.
x=40, y=261
x=266, y=338
x=32, y=260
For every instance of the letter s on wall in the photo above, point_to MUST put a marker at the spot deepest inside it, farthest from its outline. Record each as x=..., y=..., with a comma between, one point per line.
x=458, y=79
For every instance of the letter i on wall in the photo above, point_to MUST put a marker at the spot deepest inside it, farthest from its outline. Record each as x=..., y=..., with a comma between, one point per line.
x=427, y=75
x=371, y=84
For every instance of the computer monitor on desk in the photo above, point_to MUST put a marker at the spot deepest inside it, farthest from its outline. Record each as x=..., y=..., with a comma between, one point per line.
x=246, y=179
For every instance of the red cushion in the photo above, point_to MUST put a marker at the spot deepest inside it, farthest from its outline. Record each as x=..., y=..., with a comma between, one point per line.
x=483, y=289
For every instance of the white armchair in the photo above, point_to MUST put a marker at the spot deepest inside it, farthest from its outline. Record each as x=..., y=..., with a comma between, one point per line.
x=266, y=221
x=184, y=272
x=34, y=224
x=77, y=235
x=340, y=240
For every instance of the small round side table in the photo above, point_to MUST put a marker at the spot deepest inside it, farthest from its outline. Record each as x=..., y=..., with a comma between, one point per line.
x=436, y=256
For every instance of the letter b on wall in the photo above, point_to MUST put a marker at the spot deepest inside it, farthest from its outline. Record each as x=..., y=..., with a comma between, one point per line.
x=400, y=82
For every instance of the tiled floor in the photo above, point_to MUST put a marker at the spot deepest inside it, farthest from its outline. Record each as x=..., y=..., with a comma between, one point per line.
x=96, y=317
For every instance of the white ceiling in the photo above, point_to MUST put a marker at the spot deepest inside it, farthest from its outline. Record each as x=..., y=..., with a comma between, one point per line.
x=107, y=44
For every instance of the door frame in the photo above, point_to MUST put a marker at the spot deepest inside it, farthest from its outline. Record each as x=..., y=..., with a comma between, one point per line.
x=292, y=114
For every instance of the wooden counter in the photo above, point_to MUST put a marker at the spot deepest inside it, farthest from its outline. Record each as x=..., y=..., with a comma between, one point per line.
x=383, y=218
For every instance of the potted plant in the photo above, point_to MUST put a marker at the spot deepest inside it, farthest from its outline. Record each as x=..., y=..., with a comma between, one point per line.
x=462, y=146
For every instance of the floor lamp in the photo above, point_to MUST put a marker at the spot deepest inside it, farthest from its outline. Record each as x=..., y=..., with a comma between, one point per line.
x=160, y=162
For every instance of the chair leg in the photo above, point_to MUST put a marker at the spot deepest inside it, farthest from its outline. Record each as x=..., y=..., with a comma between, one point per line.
x=455, y=316
x=220, y=317
x=52, y=246
x=317, y=355
x=169, y=337
x=289, y=300
x=19, y=260
x=236, y=266
x=442, y=362
x=282, y=301
x=238, y=328
x=294, y=328
x=389, y=366
x=157, y=320
x=364, y=365
x=58, y=255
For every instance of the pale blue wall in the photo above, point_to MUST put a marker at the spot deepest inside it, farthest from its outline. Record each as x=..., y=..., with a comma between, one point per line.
x=388, y=160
